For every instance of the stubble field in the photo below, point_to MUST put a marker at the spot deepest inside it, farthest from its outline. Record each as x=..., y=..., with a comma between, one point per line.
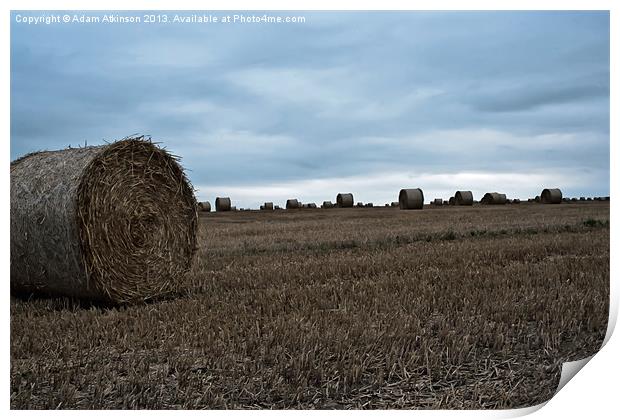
x=345, y=308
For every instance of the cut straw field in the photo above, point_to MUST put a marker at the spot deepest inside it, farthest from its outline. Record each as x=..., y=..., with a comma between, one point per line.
x=448, y=307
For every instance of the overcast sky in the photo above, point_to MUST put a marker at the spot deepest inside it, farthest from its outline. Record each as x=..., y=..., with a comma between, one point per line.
x=362, y=102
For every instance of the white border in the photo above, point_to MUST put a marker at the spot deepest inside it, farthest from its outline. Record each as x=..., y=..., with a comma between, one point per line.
x=591, y=393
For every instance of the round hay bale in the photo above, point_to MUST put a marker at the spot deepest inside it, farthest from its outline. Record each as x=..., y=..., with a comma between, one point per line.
x=223, y=204
x=464, y=198
x=394, y=204
x=446, y=202
x=277, y=208
x=437, y=202
x=516, y=201
x=233, y=208
x=452, y=201
x=359, y=204
x=589, y=199
x=537, y=199
x=369, y=205
x=606, y=198
x=204, y=206
x=494, y=198
x=344, y=200
x=267, y=206
x=551, y=196
x=311, y=205
x=292, y=203
x=573, y=199
x=327, y=205
x=411, y=199
x=582, y=199
x=114, y=223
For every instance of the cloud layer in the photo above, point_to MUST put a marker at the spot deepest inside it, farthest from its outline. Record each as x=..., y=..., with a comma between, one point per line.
x=367, y=102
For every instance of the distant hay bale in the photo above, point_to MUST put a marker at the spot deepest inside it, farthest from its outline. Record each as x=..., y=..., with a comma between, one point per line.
x=582, y=199
x=573, y=199
x=311, y=205
x=411, y=199
x=452, y=201
x=464, y=198
x=267, y=206
x=204, y=206
x=114, y=223
x=344, y=200
x=606, y=198
x=394, y=204
x=589, y=199
x=494, y=198
x=437, y=202
x=516, y=201
x=223, y=204
x=292, y=203
x=537, y=199
x=327, y=205
x=277, y=208
x=359, y=204
x=233, y=208
x=551, y=196
x=369, y=205
x=446, y=202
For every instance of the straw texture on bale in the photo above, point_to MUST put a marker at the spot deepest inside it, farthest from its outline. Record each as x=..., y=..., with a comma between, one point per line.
x=494, y=198
x=114, y=223
x=551, y=196
x=411, y=199
x=344, y=200
x=292, y=203
x=464, y=198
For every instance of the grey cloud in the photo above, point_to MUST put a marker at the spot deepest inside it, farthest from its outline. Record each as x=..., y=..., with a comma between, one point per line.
x=410, y=81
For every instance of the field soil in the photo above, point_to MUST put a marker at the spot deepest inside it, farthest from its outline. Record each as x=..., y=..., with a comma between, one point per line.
x=449, y=307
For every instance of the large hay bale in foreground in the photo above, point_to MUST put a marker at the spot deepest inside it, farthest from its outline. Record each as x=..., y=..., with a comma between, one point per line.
x=114, y=223
x=464, y=198
x=551, y=196
x=493, y=198
x=292, y=203
x=344, y=200
x=411, y=199
x=223, y=204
